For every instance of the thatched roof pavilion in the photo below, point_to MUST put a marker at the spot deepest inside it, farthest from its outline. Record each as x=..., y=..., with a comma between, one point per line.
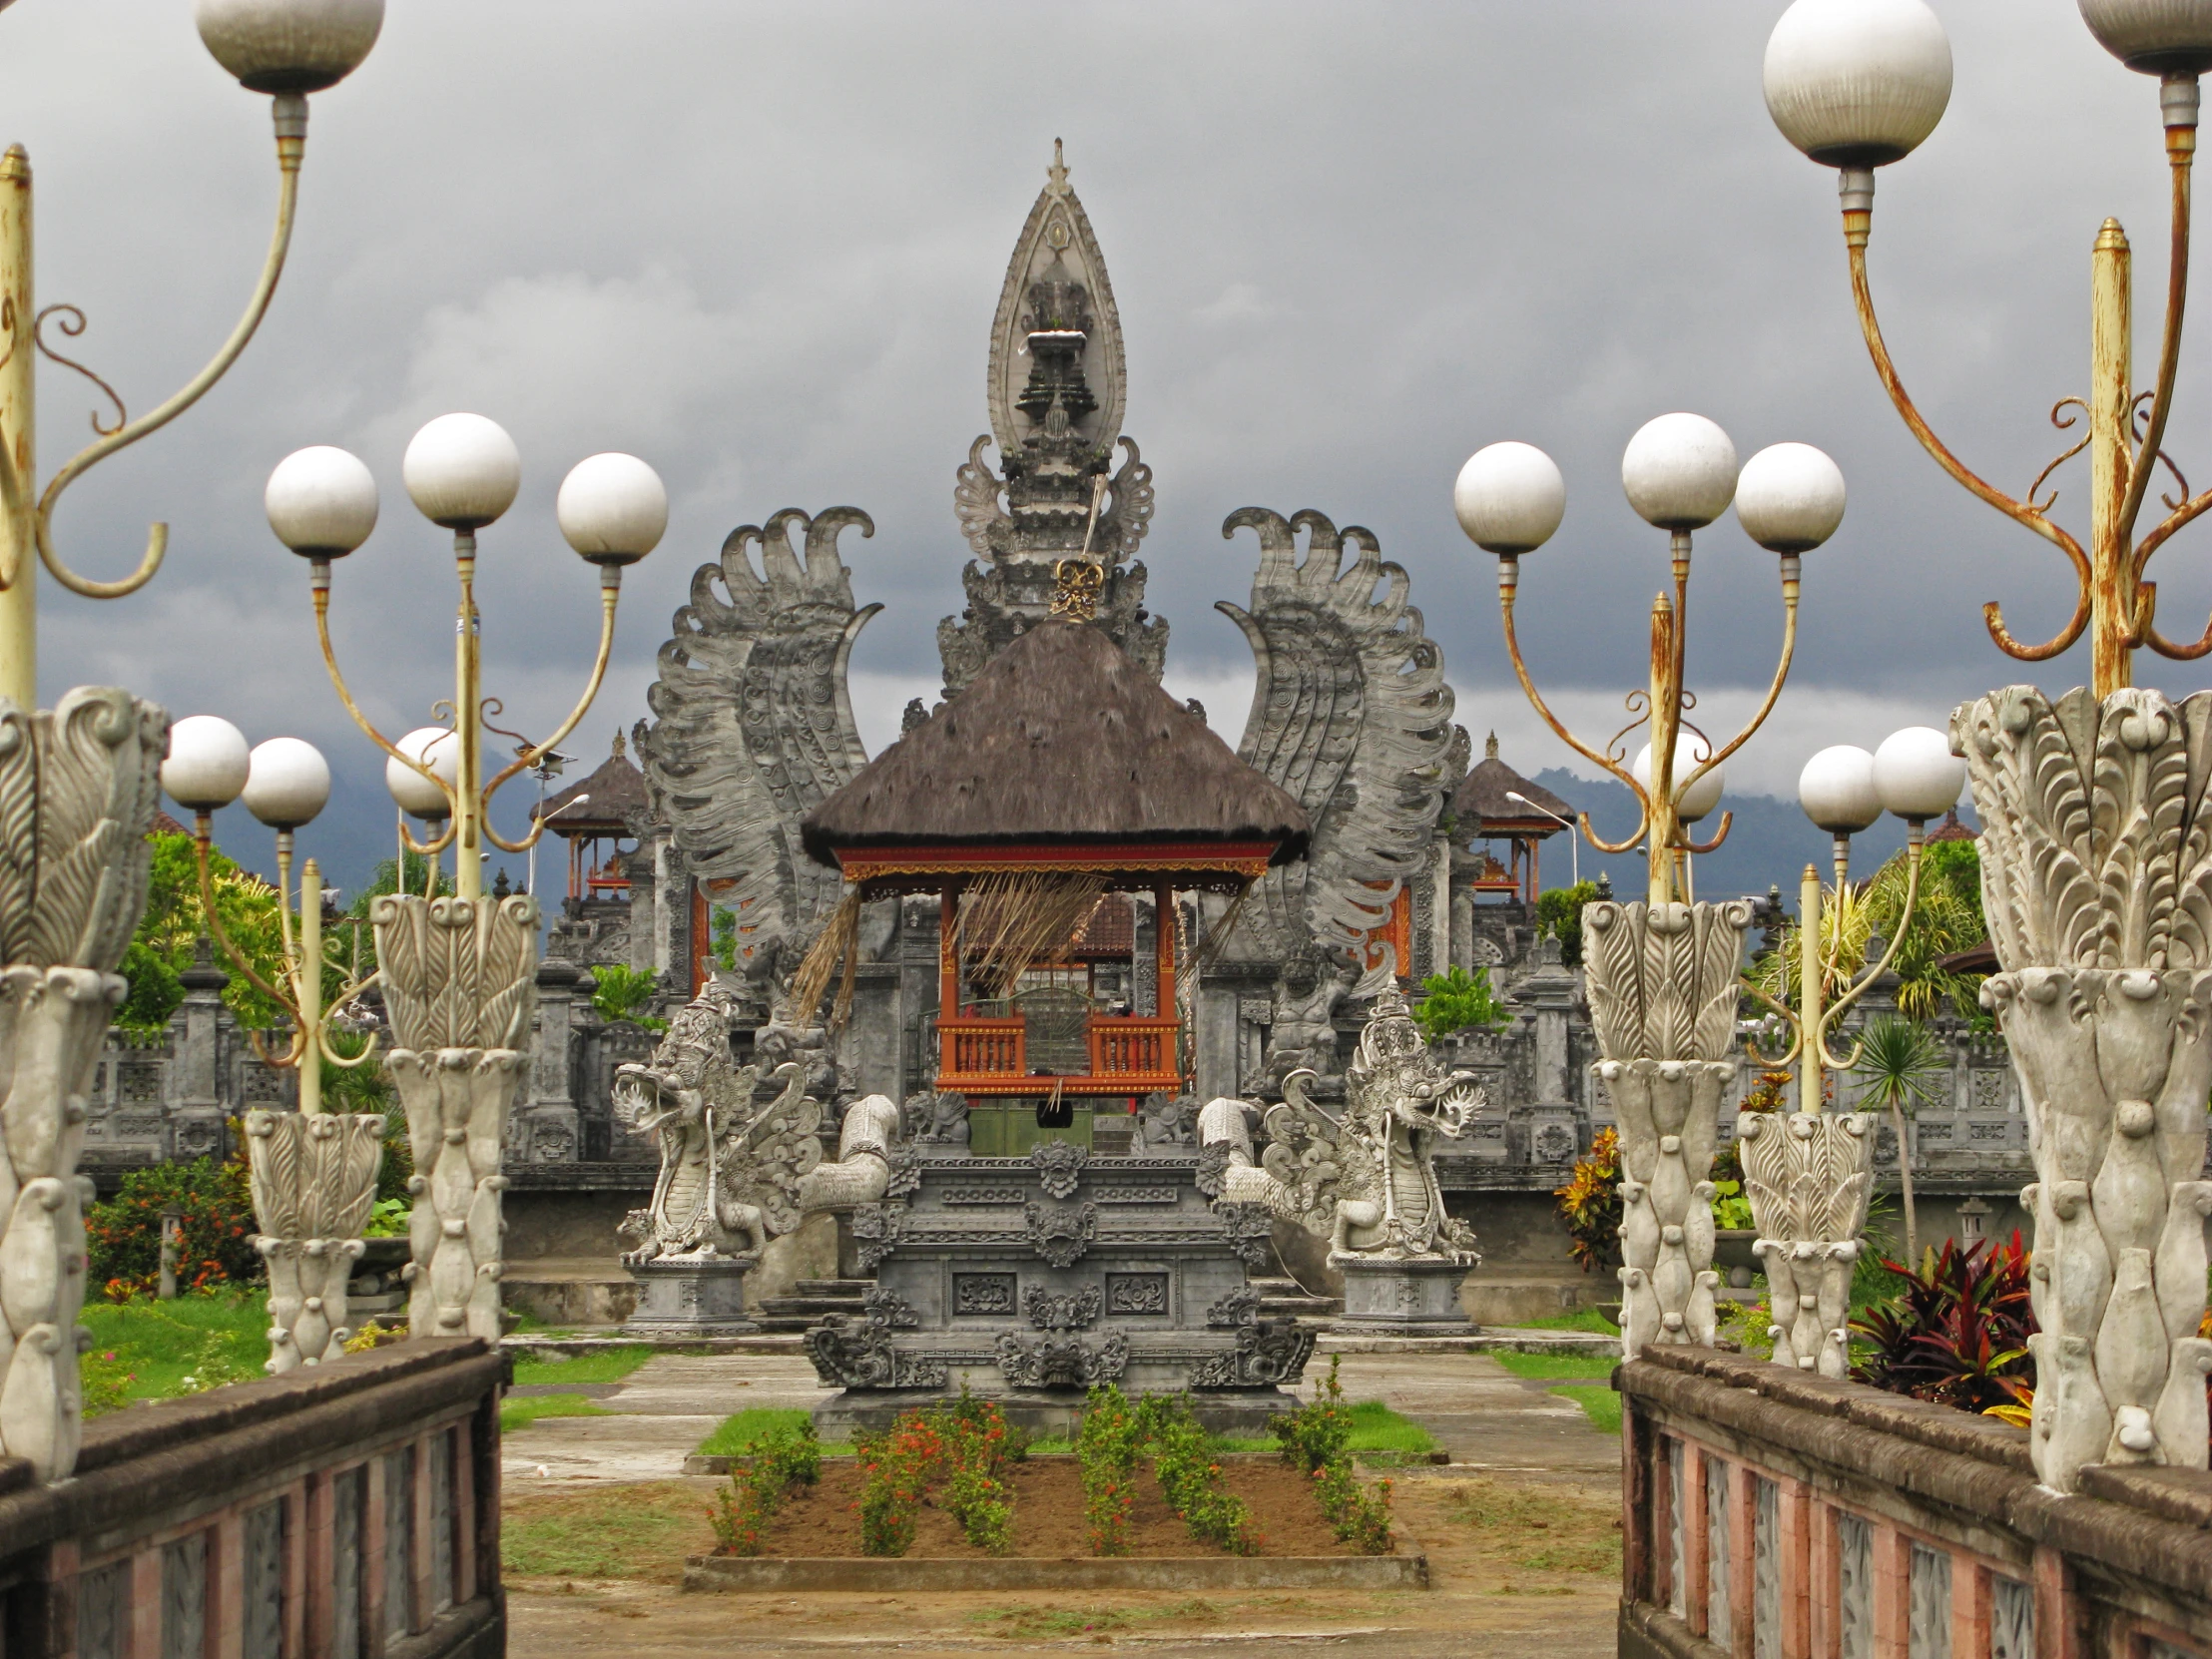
x=1496, y=802
x=1060, y=775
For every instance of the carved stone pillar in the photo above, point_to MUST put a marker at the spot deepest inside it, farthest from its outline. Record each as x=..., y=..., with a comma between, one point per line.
x=196, y=1118
x=457, y=979
x=2096, y=876
x=78, y=786
x=313, y=1176
x=550, y=1132
x=1808, y=1177
x=1663, y=991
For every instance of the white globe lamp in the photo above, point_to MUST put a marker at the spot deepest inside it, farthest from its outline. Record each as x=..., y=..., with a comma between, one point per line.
x=208, y=763
x=288, y=45
x=613, y=509
x=1690, y=752
x=321, y=502
x=435, y=748
x=289, y=783
x=1509, y=498
x=1916, y=774
x=1790, y=498
x=1837, y=789
x=2155, y=37
x=1679, y=472
x=462, y=471
x=1858, y=83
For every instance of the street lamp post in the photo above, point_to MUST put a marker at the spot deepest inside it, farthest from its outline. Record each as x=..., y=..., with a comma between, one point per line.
x=1574, y=845
x=313, y=1173
x=2097, y=837
x=1809, y=1175
x=457, y=970
x=80, y=782
x=1662, y=973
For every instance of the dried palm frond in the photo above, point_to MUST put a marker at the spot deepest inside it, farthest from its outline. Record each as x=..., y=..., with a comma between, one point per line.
x=1012, y=919
x=837, y=942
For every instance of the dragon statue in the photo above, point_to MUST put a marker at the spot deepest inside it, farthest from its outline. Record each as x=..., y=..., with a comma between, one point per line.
x=753, y=728
x=733, y=1174
x=1351, y=716
x=1366, y=1182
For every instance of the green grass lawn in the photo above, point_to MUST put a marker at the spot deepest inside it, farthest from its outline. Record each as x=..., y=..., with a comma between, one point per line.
x=523, y=1411
x=1582, y=1319
x=152, y=1350
x=606, y=1364
x=1599, y=1403
x=1555, y=1367
x=735, y=1434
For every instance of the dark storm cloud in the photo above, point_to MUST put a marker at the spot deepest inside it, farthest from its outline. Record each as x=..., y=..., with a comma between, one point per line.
x=759, y=245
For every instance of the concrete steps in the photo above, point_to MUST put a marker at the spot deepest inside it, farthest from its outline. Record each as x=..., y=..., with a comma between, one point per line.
x=811, y=1302
x=1283, y=1298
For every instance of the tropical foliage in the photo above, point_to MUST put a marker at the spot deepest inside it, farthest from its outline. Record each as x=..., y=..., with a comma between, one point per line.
x=123, y=1236
x=1457, y=1001
x=1956, y=1332
x=1897, y=1065
x=1946, y=918
x=1590, y=1203
x=620, y=992
x=1559, y=916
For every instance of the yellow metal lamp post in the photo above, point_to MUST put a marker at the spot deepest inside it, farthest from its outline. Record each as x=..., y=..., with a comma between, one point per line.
x=1662, y=973
x=79, y=781
x=313, y=1172
x=458, y=971
x=1808, y=1174
x=2096, y=831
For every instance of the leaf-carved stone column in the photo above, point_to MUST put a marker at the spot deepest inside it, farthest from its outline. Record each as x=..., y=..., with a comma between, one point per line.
x=314, y=1181
x=1807, y=1175
x=1663, y=993
x=2096, y=879
x=78, y=789
x=458, y=975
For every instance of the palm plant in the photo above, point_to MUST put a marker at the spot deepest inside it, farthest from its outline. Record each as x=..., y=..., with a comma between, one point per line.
x=1897, y=1064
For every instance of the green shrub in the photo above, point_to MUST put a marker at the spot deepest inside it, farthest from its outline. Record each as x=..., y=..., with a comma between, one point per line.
x=1316, y=1441
x=1183, y=1464
x=1107, y=1448
x=1559, y=916
x=620, y=992
x=123, y=1236
x=1457, y=1001
x=777, y=1461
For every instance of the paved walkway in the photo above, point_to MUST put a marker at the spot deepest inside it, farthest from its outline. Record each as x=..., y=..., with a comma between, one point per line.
x=1497, y=1588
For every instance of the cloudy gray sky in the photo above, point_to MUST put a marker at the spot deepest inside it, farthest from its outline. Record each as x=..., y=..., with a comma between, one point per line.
x=759, y=245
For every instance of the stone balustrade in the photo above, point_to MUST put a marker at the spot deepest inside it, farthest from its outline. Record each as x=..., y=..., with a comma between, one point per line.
x=351, y=1511
x=1772, y=1515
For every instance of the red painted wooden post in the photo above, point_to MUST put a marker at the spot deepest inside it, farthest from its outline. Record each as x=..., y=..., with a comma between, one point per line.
x=55, y=1622
x=1794, y=1563
x=319, y=1611
x=1971, y=1599
x=2057, y=1635
x=1892, y=1561
x=421, y=1538
x=1825, y=1570
x=1662, y=1522
x=1697, y=1553
x=1742, y=1559
x=464, y=1512
x=372, y=1558
x=1639, y=1481
x=226, y=1605
x=141, y=1634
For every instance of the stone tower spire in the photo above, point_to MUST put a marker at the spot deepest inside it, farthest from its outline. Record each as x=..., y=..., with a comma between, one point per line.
x=1055, y=391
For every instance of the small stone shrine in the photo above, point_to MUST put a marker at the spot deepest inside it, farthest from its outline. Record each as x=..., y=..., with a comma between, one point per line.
x=1062, y=774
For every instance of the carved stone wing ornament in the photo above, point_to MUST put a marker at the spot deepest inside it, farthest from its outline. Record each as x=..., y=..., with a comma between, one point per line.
x=763, y=1160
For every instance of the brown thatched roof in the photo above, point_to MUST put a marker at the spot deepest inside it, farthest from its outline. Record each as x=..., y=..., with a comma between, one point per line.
x=1060, y=739
x=617, y=790
x=1482, y=799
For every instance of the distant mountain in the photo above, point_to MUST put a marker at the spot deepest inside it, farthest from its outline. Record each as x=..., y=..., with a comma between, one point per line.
x=1770, y=841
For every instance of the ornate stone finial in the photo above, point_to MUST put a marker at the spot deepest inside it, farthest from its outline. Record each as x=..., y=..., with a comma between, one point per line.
x=1489, y=747
x=618, y=743
x=1057, y=172
x=1077, y=583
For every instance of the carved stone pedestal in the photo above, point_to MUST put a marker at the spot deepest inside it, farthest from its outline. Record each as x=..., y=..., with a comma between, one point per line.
x=1413, y=1297
x=1808, y=1177
x=691, y=1297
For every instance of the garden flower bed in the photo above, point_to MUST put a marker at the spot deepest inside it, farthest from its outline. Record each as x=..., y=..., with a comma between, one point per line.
x=948, y=1499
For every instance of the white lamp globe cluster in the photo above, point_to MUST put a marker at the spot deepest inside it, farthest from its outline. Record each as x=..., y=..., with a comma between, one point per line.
x=284, y=782
x=1679, y=473
x=1913, y=775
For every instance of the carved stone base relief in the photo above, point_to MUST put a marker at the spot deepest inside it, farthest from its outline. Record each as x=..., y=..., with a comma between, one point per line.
x=1808, y=1179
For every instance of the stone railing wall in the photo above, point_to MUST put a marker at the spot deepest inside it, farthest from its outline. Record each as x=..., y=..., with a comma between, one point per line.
x=351, y=1510
x=1769, y=1513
